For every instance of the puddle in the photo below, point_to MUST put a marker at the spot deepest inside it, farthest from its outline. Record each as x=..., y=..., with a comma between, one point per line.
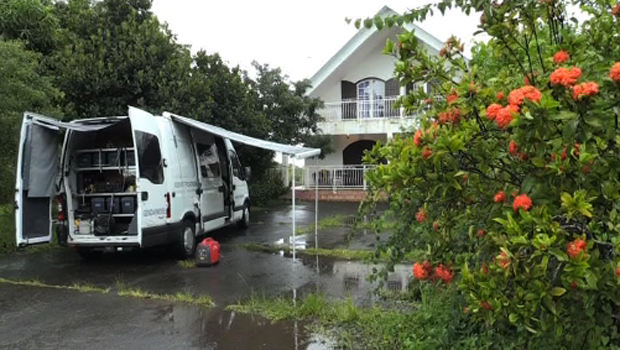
x=221, y=329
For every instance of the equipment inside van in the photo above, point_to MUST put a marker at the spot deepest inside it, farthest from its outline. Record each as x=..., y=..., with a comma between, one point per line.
x=124, y=183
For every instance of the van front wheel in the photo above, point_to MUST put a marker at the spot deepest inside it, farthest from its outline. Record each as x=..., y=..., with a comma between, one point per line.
x=186, y=245
x=245, y=218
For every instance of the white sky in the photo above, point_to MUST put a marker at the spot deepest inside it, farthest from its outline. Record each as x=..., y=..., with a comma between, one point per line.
x=297, y=36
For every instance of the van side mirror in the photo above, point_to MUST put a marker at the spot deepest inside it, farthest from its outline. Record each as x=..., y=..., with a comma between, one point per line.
x=248, y=173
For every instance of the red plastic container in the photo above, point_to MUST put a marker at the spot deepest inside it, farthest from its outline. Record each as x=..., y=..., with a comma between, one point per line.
x=207, y=252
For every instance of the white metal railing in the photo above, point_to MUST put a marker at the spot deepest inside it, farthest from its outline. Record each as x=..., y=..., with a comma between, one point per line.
x=336, y=176
x=355, y=109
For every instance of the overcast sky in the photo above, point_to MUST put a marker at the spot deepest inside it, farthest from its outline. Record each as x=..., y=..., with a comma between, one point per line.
x=297, y=36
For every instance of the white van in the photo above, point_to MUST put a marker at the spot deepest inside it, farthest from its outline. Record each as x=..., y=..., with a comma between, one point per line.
x=126, y=182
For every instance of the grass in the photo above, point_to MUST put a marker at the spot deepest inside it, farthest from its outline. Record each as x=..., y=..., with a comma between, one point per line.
x=187, y=264
x=345, y=254
x=325, y=223
x=122, y=290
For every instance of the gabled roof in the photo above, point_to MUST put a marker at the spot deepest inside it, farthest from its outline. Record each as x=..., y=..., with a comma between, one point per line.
x=358, y=40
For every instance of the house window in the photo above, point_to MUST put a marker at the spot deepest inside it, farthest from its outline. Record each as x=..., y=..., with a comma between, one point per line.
x=370, y=98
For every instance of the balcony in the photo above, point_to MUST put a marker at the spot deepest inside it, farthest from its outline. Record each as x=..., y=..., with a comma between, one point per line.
x=363, y=117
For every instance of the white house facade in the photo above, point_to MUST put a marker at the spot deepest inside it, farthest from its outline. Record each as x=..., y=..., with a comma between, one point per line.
x=359, y=90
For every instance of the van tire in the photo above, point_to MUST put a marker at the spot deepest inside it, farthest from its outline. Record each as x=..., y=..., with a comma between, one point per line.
x=89, y=253
x=186, y=246
x=244, y=223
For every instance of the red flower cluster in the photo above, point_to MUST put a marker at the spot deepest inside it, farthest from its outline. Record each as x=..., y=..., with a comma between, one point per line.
x=499, y=197
x=504, y=260
x=577, y=146
x=492, y=111
x=575, y=247
x=443, y=273
x=500, y=95
x=485, y=269
x=452, y=115
x=513, y=148
x=614, y=72
x=516, y=97
x=435, y=226
x=522, y=201
x=421, y=215
x=453, y=96
x=505, y=115
x=561, y=57
x=481, y=233
x=585, y=89
x=616, y=10
x=617, y=271
x=417, y=138
x=485, y=305
x=427, y=153
x=565, y=76
x=420, y=271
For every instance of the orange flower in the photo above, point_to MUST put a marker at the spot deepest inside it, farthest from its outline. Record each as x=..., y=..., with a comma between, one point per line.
x=427, y=153
x=500, y=95
x=444, y=274
x=565, y=76
x=481, y=233
x=419, y=272
x=435, y=226
x=504, y=260
x=429, y=101
x=577, y=146
x=485, y=269
x=614, y=72
x=615, y=10
x=421, y=215
x=452, y=115
x=499, y=197
x=617, y=271
x=505, y=115
x=522, y=201
x=585, y=89
x=561, y=57
x=513, y=148
x=417, y=138
x=516, y=97
x=575, y=247
x=492, y=111
x=453, y=96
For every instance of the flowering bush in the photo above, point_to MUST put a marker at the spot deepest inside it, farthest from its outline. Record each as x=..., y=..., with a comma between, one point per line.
x=543, y=259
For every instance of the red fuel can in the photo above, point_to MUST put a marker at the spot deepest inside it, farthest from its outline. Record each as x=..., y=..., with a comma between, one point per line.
x=207, y=252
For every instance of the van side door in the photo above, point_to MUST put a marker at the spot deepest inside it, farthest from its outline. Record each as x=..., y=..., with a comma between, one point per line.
x=212, y=184
x=240, y=187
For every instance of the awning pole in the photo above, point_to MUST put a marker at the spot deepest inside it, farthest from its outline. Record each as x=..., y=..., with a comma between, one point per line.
x=316, y=204
x=293, y=186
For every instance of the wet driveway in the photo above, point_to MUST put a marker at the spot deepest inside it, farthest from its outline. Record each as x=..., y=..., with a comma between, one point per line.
x=48, y=318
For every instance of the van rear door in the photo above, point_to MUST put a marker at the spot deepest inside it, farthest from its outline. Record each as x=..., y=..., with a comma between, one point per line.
x=154, y=198
x=37, y=173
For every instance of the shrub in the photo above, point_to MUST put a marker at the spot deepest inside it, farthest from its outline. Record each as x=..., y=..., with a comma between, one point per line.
x=521, y=146
x=267, y=189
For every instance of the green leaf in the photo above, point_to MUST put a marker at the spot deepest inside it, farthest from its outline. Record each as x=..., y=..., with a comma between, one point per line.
x=538, y=162
x=564, y=115
x=593, y=120
x=558, y=291
x=513, y=318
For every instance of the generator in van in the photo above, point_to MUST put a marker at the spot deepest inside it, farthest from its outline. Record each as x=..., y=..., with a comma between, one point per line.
x=124, y=183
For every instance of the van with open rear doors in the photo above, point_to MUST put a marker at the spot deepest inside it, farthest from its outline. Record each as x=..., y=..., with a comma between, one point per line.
x=125, y=183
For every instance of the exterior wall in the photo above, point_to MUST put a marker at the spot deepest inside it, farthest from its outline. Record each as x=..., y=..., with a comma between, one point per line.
x=340, y=142
x=331, y=196
x=352, y=127
x=373, y=65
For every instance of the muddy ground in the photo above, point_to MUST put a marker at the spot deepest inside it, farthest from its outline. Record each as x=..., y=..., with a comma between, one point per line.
x=43, y=318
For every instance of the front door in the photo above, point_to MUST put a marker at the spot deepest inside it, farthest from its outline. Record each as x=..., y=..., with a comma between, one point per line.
x=211, y=179
x=37, y=174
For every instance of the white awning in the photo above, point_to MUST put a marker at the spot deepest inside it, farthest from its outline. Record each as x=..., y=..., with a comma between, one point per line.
x=295, y=151
x=50, y=123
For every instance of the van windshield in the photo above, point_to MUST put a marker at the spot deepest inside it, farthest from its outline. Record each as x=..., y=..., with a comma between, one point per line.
x=149, y=157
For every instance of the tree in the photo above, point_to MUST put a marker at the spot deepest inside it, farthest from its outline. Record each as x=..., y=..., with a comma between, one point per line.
x=22, y=89
x=115, y=53
x=510, y=186
x=32, y=21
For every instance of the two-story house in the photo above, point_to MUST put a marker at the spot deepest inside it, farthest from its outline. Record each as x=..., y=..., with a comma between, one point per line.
x=359, y=90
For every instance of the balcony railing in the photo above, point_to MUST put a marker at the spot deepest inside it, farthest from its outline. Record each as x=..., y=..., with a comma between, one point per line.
x=360, y=109
x=336, y=176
